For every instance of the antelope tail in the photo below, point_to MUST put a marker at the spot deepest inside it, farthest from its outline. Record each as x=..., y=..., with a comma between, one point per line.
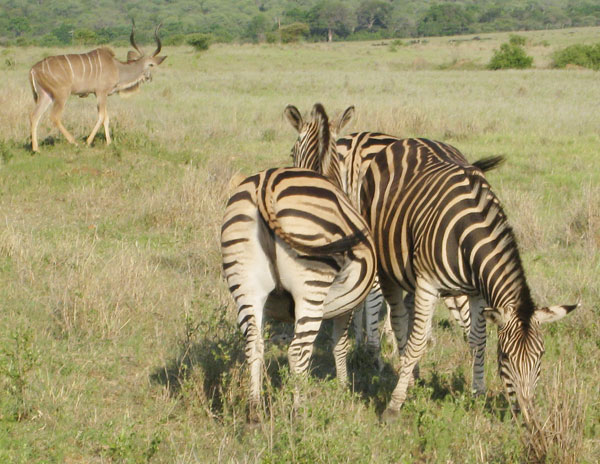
x=33, y=89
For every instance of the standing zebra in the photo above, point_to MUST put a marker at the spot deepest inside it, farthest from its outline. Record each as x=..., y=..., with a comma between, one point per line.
x=296, y=250
x=439, y=230
x=345, y=162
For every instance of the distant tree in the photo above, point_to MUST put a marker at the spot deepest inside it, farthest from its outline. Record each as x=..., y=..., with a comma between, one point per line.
x=294, y=32
x=19, y=25
x=257, y=28
x=64, y=33
x=332, y=16
x=445, y=19
x=373, y=13
x=84, y=37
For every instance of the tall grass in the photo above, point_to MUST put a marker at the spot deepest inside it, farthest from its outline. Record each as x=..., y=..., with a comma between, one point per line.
x=118, y=340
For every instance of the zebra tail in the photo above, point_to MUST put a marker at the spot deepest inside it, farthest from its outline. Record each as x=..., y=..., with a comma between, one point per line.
x=339, y=246
x=489, y=163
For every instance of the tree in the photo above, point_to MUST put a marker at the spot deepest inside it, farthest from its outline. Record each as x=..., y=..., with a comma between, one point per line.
x=445, y=19
x=257, y=28
x=373, y=13
x=331, y=16
x=19, y=25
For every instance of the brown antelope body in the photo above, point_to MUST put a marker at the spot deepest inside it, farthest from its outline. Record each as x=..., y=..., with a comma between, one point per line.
x=55, y=78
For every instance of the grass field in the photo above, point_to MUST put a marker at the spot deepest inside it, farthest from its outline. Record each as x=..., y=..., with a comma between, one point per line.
x=118, y=340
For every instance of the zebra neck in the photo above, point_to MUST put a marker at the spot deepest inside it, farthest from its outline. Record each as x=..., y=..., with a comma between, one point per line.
x=503, y=284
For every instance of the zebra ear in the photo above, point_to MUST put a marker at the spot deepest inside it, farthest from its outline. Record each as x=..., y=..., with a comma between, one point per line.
x=553, y=313
x=495, y=315
x=294, y=117
x=344, y=119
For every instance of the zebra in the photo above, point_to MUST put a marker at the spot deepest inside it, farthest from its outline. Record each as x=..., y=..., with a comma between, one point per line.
x=345, y=162
x=440, y=230
x=294, y=249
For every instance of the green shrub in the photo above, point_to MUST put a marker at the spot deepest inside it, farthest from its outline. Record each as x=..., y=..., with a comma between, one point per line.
x=587, y=56
x=510, y=56
x=199, y=41
x=516, y=39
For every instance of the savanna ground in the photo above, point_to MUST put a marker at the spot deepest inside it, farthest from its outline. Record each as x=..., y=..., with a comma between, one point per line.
x=118, y=340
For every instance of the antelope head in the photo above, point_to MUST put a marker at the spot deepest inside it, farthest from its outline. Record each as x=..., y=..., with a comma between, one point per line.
x=144, y=64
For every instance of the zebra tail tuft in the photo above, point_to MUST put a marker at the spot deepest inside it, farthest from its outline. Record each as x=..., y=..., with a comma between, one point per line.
x=489, y=163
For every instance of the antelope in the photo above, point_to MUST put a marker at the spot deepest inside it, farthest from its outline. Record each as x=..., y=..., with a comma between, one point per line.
x=54, y=78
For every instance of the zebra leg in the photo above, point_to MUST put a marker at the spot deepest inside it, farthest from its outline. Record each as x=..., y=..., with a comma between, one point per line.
x=388, y=331
x=255, y=348
x=425, y=298
x=308, y=323
x=359, y=324
x=372, y=307
x=460, y=310
x=340, y=346
x=477, y=339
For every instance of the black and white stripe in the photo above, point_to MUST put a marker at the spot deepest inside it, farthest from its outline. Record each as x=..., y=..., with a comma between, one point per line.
x=296, y=250
x=439, y=230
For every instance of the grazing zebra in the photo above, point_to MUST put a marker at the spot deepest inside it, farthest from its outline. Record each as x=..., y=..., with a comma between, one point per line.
x=357, y=150
x=439, y=230
x=345, y=162
x=296, y=250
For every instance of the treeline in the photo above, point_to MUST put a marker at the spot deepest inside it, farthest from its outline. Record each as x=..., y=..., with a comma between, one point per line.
x=67, y=22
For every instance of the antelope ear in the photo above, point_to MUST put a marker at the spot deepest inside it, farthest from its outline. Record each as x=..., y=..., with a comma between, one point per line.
x=294, y=117
x=344, y=119
x=132, y=56
x=160, y=59
x=553, y=313
x=495, y=315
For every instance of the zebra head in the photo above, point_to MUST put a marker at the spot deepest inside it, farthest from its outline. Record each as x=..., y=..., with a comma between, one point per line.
x=520, y=349
x=315, y=148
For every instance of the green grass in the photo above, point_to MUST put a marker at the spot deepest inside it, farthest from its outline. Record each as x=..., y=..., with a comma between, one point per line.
x=118, y=340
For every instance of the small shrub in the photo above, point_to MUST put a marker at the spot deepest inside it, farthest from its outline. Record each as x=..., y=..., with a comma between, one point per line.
x=587, y=56
x=199, y=41
x=515, y=39
x=395, y=44
x=510, y=56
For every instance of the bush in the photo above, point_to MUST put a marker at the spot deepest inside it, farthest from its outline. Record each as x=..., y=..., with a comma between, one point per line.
x=587, y=56
x=200, y=42
x=510, y=56
x=516, y=39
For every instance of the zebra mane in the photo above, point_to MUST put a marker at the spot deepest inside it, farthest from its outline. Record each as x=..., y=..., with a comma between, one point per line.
x=506, y=238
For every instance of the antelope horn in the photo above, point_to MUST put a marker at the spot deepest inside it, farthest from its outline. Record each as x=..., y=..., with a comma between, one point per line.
x=159, y=45
x=132, y=39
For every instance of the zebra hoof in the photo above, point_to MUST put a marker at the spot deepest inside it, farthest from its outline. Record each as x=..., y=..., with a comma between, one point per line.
x=390, y=416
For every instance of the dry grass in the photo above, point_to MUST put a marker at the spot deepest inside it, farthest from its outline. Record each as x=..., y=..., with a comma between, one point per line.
x=110, y=267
